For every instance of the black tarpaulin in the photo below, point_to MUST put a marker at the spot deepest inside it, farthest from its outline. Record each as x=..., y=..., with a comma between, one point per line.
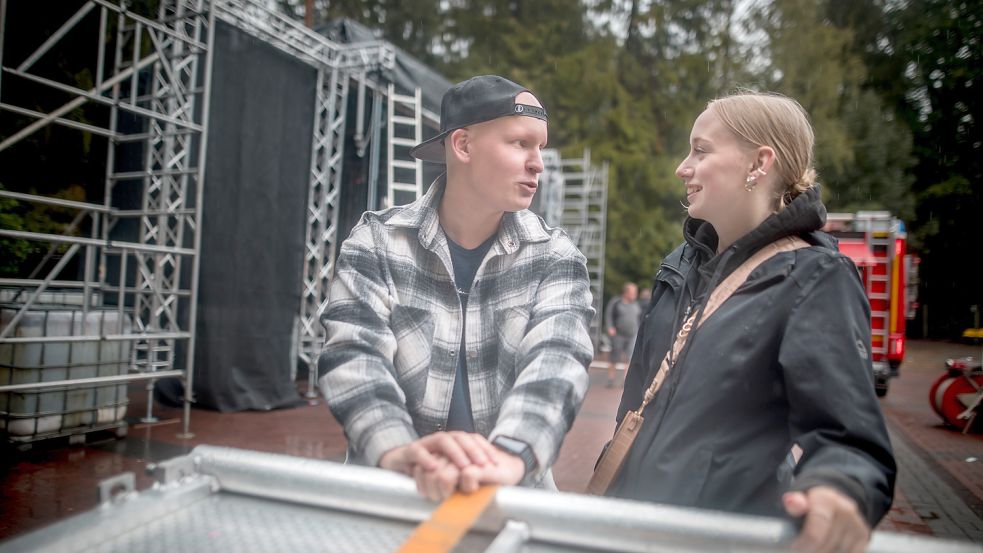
x=253, y=229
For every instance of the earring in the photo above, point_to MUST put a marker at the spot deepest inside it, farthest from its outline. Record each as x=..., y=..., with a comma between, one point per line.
x=752, y=179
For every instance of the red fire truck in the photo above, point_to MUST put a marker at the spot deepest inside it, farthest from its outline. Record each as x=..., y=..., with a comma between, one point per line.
x=877, y=242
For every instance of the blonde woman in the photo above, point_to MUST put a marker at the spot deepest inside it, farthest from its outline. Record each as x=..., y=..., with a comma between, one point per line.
x=769, y=408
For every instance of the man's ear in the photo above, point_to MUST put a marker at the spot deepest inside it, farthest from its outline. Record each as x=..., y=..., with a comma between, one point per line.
x=459, y=144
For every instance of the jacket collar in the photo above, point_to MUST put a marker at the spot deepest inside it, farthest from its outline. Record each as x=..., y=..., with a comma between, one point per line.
x=804, y=216
x=517, y=227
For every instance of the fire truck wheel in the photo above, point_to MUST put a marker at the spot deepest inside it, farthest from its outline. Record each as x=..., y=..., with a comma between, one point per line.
x=880, y=387
x=895, y=367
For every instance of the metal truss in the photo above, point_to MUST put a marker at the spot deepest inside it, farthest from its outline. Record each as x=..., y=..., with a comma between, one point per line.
x=256, y=18
x=159, y=298
x=322, y=213
x=172, y=174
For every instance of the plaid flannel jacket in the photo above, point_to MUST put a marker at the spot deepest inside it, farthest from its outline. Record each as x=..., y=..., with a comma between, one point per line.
x=394, y=323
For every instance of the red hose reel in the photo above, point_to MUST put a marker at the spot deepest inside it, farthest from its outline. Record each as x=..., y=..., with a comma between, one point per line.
x=958, y=393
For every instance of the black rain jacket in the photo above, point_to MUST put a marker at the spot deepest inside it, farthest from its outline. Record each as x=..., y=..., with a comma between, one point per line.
x=786, y=360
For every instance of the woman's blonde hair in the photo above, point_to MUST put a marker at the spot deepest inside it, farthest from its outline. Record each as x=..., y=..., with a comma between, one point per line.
x=779, y=122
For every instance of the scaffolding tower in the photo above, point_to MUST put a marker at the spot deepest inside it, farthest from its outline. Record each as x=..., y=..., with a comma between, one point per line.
x=158, y=70
x=574, y=196
x=142, y=276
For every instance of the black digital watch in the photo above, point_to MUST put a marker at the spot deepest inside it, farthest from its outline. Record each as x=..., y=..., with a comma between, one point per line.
x=518, y=448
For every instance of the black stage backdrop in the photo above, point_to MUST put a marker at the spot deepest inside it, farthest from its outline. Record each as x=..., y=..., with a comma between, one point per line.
x=254, y=220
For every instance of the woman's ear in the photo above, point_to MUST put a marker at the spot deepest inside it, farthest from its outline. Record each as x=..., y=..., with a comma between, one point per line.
x=765, y=158
x=459, y=142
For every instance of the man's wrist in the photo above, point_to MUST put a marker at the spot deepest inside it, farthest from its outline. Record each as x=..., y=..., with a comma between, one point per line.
x=519, y=449
x=392, y=459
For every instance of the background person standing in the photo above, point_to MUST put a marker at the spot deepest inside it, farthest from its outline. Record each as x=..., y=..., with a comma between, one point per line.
x=622, y=318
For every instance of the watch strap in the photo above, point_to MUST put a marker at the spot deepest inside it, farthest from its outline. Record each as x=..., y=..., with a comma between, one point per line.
x=519, y=448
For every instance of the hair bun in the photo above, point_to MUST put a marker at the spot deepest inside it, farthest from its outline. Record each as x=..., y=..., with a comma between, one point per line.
x=805, y=182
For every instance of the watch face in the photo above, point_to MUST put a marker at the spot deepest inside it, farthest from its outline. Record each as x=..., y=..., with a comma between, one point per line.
x=511, y=445
x=518, y=448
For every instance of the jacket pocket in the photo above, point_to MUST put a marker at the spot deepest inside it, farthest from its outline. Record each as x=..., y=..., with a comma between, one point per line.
x=414, y=331
x=511, y=325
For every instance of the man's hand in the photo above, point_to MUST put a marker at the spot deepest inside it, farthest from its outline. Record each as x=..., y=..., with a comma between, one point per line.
x=612, y=331
x=832, y=521
x=446, y=478
x=461, y=448
x=506, y=470
x=436, y=463
x=437, y=484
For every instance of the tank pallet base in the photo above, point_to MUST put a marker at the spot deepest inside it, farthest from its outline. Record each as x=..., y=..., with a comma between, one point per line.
x=69, y=436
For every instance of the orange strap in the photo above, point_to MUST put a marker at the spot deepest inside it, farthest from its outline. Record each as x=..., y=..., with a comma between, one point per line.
x=449, y=522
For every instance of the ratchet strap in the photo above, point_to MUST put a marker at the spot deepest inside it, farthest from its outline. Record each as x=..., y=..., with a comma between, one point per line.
x=449, y=522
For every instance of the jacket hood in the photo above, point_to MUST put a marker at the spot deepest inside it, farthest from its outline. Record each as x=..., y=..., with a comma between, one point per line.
x=803, y=217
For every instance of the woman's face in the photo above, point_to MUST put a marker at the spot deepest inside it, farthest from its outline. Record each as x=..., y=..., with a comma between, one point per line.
x=715, y=172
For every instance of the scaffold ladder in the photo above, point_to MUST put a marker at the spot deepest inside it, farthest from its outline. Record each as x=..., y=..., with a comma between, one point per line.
x=404, y=129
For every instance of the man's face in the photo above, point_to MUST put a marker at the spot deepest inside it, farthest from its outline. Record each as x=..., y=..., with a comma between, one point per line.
x=506, y=159
x=630, y=293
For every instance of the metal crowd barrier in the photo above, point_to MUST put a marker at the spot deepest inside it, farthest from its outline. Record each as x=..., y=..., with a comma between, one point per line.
x=220, y=499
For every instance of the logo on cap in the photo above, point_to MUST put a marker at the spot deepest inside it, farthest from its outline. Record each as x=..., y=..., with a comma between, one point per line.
x=518, y=109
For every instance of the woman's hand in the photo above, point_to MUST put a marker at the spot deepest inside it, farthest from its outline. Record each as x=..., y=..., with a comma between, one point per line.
x=832, y=521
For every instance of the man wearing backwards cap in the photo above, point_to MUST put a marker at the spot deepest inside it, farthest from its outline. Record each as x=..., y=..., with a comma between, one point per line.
x=458, y=325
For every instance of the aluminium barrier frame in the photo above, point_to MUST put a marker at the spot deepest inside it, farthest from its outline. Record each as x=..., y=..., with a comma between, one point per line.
x=220, y=488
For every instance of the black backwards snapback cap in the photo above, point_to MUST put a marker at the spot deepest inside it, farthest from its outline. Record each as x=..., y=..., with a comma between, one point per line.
x=474, y=101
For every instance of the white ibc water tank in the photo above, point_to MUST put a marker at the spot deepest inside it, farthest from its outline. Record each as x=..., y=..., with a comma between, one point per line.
x=30, y=415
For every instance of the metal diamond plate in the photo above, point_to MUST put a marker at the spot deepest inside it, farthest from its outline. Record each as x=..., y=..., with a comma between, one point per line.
x=236, y=523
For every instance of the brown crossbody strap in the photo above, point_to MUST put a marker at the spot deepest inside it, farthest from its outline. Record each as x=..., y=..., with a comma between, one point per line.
x=614, y=457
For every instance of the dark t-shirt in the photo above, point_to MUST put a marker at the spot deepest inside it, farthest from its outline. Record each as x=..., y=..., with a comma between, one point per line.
x=466, y=263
